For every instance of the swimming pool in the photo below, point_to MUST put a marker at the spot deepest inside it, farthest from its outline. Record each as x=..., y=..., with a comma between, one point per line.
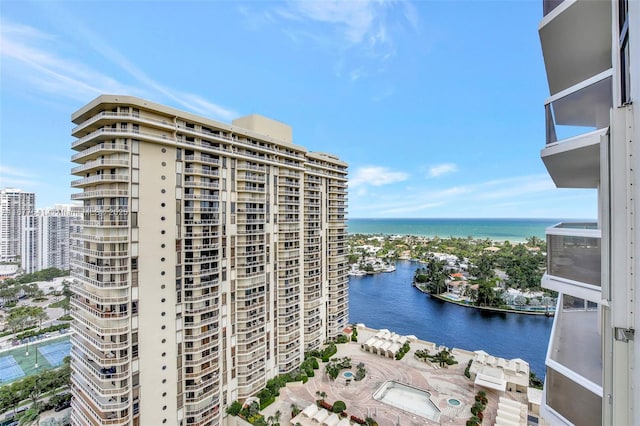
x=407, y=398
x=348, y=375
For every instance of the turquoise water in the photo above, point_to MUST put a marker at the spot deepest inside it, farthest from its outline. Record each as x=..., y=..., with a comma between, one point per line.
x=494, y=229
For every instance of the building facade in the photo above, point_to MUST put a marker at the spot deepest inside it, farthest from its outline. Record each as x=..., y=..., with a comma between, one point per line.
x=592, y=131
x=210, y=257
x=14, y=203
x=45, y=239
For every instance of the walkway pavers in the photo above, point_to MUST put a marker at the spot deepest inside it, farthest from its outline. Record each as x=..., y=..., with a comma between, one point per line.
x=442, y=383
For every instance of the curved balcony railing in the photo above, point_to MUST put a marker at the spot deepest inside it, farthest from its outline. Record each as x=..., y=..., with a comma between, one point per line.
x=96, y=149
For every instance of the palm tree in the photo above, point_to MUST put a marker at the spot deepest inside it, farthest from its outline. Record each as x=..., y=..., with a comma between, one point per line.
x=534, y=241
x=294, y=410
x=443, y=358
x=40, y=316
x=31, y=416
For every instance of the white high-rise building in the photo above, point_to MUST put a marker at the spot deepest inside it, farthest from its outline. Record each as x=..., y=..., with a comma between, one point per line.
x=211, y=257
x=14, y=203
x=45, y=238
x=592, y=57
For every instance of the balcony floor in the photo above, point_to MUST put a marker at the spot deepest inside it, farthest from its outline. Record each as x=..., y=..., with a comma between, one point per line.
x=575, y=163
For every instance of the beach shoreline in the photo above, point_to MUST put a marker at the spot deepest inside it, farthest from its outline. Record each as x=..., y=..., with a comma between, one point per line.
x=513, y=230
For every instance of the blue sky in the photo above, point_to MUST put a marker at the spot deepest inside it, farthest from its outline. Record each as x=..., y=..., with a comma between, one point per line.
x=436, y=106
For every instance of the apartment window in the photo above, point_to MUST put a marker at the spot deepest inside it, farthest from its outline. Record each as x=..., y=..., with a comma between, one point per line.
x=625, y=75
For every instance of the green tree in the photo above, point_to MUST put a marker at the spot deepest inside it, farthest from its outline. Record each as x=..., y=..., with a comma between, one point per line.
x=24, y=316
x=234, y=408
x=339, y=407
x=484, y=267
x=34, y=388
x=535, y=381
x=536, y=242
x=10, y=396
x=443, y=358
x=434, y=275
x=9, y=293
x=488, y=295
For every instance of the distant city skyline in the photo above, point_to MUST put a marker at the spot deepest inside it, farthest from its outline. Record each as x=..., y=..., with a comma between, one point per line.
x=434, y=105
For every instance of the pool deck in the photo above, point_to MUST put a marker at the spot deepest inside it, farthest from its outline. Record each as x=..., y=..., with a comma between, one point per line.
x=442, y=383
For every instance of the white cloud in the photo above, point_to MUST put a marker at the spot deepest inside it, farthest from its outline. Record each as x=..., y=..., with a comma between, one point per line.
x=14, y=171
x=30, y=56
x=411, y=14
x=441, y=169
x=27, y=55
x=355, y=20
x=508, y=188
x=18, y=178
x=376, y=176
x=459, y=200
x=363, y=29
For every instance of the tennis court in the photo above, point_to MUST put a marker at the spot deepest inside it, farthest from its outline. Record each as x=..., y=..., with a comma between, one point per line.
x=56, y=352
x=25, y=358
x=9, y=369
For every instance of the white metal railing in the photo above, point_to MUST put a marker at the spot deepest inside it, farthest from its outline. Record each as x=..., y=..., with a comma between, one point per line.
x=104, y=146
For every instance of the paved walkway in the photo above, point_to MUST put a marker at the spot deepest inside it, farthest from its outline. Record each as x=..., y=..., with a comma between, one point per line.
x=442, y=383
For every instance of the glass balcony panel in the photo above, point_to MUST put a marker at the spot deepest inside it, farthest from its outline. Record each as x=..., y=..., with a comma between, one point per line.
x=573, y=402
x=576, y=342
x=549, y=5
x=574, y=257
x=579, y=112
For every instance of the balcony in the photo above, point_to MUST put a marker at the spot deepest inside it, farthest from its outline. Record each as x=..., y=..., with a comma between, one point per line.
x=99, y=135
x=109, y=117
x=575, y=347
x=576, y=41
x=100, y=193
x=566, y=402
x=99, y=150
x=575, y=162
x=86, y=410
x=573, y=260
x=579, y=109
x=100, y=163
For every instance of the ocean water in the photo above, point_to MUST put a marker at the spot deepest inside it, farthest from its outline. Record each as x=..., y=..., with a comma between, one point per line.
x=516, y=230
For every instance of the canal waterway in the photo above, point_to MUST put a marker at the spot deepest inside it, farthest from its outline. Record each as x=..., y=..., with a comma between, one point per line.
x=387, y=300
